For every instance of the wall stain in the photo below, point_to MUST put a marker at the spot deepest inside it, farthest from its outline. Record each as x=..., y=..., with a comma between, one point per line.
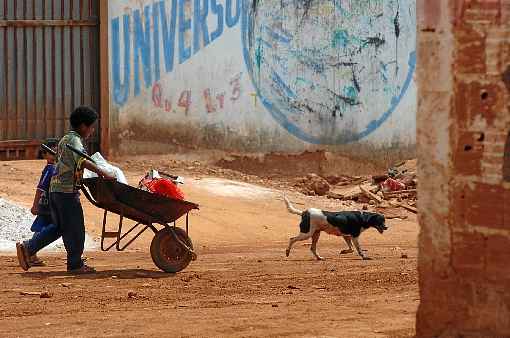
x=506, y=77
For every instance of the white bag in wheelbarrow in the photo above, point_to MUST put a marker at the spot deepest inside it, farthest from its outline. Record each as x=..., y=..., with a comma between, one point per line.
x=104, y=165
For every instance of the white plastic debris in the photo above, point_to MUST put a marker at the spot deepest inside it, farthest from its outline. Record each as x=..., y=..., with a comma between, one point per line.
x=104, y=165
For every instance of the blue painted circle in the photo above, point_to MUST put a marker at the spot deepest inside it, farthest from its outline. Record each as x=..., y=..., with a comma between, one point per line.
x=300, y=59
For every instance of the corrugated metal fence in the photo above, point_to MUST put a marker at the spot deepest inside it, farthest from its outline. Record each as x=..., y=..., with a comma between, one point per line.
x=49, y=64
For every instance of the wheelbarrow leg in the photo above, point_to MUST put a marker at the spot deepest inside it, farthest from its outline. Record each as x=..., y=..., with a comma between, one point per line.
x=110, y=234
x=107, y=234
x=120, y=230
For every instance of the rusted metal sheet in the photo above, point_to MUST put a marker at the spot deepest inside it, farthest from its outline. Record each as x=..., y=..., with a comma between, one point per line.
x=47, y=23
x=49, y=64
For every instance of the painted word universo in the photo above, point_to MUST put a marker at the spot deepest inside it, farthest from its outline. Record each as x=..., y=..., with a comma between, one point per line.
x=156, y=39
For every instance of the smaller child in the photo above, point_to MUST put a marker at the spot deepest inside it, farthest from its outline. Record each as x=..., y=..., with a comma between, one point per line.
x=40, y=206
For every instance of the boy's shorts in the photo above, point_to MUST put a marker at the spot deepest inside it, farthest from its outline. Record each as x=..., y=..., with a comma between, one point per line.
x=40, y=223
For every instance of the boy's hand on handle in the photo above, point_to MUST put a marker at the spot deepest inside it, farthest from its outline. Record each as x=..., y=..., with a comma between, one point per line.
x=107, y=176
x=33, y=210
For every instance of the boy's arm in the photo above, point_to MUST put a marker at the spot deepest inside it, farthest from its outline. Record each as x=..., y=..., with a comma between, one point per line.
x=35, y=204
x=100, y=172
x=81, y=162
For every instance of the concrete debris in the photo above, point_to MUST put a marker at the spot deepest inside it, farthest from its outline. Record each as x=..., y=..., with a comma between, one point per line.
x=41, y=294
x=384, y=192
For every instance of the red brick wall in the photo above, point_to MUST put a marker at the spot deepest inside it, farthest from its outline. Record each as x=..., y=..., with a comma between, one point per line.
x=464, y=163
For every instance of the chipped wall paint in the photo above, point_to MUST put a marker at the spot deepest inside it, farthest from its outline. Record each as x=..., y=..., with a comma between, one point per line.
x=260, y=74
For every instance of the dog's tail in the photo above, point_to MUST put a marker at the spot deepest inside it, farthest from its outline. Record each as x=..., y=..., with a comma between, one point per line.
x=291, y=208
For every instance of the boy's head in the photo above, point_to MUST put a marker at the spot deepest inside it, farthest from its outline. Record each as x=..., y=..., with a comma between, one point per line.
x=51, y=143
x=83, y=119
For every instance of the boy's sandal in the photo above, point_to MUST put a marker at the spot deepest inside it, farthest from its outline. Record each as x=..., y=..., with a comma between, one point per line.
x=21, y=252
x=36, y=261
x=83, y=270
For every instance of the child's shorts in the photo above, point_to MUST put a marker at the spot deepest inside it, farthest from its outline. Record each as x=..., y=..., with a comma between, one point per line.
x=40, y=223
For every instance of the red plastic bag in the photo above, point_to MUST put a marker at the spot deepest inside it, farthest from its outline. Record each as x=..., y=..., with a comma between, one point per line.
x=165, y=187
x=392, y=185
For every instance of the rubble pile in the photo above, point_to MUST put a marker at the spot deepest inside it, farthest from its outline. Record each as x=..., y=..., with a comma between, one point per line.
x=394, y=189
x=15, y=223
x=312, y=185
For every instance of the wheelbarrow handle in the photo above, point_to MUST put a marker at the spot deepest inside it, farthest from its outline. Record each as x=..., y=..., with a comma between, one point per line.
x=48, y=149
x=81, y=153
x=168, y=175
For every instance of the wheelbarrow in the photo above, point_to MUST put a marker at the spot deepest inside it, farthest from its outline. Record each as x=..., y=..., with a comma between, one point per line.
x=171, y=248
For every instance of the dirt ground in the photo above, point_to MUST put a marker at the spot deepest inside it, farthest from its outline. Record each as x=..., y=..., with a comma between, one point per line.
x=242, y=285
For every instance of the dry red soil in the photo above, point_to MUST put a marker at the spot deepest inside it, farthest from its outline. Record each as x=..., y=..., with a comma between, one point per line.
x=241, y=285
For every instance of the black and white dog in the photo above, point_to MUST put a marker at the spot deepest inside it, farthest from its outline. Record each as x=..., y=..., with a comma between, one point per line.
x=348, y=224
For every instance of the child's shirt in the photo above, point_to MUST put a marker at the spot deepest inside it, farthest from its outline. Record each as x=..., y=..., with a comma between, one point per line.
x=69, y=169
x=48, y=172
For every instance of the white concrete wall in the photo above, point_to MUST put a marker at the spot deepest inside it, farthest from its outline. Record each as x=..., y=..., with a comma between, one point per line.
x=264, y=74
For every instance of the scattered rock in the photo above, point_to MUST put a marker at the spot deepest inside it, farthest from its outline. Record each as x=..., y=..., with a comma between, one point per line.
x=190, y=277
x=378, y=179
x=45, y=294
x=292, y=287
x=274, y=305
x=334, y=195
x=41, y=294
x=404, y=256
x=66, y=285
x=337, y=179
x=132, y=294
x=392, y=212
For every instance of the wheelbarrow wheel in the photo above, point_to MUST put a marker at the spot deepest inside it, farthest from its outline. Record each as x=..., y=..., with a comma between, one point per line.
x=167, y=253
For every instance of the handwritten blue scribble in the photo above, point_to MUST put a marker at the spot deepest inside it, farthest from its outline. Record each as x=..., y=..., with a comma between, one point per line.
x=282, y=85
x=278, y=36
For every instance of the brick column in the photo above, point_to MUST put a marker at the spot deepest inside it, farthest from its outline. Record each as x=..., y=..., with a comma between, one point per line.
x=464, y=199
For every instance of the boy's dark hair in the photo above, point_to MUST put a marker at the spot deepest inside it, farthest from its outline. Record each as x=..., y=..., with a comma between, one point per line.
x=83, y=115
x=50, y=143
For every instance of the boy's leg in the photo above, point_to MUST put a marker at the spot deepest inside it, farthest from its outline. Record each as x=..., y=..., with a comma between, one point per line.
x=71, y=224
x=39, y=240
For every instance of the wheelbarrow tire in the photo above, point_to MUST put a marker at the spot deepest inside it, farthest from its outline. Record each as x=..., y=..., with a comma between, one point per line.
x=168, y=254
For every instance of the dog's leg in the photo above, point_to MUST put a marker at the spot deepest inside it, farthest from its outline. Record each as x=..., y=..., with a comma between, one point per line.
x=313, y=248
x=300, y=237
x=358, y=248
x=349, y=243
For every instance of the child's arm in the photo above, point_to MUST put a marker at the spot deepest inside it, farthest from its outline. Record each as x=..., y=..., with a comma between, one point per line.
x=100, y=172
x=35, y=204
x=42, y=186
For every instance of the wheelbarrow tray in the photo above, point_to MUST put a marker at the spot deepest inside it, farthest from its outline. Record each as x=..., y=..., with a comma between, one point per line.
x=133, y=203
